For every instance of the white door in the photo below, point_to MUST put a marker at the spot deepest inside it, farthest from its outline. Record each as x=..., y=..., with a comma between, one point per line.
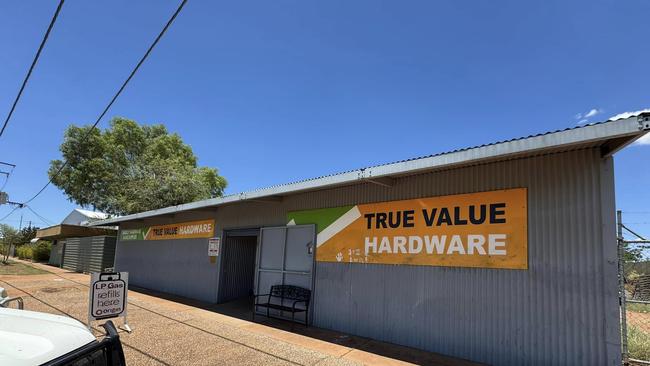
x=285, y=257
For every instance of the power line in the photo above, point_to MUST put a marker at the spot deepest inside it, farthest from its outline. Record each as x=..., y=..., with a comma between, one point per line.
x=39, y=216
x=10, y=213
x=7, y=177
x=34, y=221
x=31, y=68
x=169, y=22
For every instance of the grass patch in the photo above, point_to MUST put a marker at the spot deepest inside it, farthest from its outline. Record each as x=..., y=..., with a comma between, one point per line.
x=638, y=343
x=637, y=308
x=15, y=268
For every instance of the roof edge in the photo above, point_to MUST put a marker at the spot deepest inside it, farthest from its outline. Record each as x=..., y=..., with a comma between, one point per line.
x=633, y=127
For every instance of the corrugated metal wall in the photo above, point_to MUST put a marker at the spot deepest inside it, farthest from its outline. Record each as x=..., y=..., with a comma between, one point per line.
x=56, y=254
x=562, y=311
x=238, y=267
x=89, y=254
x=180, y=267
x=555, y=313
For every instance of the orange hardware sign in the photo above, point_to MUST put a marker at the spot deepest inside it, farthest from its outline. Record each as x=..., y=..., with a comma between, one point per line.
x=486, y=229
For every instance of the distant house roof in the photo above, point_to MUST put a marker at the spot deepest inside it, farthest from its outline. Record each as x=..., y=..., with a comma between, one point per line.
x=610, y=136
x=92, y=214
x=80, y=216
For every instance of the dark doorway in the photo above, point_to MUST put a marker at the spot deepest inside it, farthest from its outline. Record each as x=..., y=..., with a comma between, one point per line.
x=237, y=277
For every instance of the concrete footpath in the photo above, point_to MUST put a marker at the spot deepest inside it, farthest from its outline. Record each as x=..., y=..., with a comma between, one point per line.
x=176, y=331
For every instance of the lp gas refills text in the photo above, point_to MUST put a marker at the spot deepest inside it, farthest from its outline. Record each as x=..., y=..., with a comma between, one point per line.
x=108, y=298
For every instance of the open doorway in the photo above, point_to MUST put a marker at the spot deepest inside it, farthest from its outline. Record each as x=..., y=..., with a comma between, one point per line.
x=237, y=277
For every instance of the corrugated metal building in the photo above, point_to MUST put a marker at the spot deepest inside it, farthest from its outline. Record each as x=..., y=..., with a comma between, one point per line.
x=90, y=249
x=558, y=304
x=89, y=254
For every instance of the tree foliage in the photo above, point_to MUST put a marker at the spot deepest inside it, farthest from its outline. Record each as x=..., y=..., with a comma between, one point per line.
x=8, y=236
x=27, y=234
x=633, y=253
x=130, y=168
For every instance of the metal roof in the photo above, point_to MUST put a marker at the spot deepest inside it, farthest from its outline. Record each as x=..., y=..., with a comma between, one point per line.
x=612, y=135
x=92, y=214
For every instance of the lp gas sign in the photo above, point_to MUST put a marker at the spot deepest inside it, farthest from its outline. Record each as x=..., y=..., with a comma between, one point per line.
x=108, y=293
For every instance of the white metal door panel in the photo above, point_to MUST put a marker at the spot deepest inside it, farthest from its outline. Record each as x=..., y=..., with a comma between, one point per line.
x=285, y=257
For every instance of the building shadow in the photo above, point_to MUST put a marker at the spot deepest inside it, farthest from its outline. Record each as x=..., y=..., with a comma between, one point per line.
x=242, y=308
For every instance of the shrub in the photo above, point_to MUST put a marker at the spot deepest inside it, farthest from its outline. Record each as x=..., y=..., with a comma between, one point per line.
x=41, y=251
x=24, y=252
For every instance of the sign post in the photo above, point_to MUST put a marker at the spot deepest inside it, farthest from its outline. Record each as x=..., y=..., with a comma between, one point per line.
x=108, y=296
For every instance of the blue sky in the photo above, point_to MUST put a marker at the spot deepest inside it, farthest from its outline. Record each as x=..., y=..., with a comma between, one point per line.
x=274, y=91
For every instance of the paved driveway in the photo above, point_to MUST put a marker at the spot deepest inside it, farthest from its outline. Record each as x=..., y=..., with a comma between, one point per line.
x=167, y=332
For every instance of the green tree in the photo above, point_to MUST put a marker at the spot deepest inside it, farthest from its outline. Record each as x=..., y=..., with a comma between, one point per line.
x=130, y=168
x=27, y=234
x=8, y=236
x=632, y=254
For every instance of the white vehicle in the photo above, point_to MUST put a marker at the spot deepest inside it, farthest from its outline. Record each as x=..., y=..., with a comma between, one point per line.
x=33, y=338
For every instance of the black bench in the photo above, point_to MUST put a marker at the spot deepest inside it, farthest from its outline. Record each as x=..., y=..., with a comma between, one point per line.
x=293, y=294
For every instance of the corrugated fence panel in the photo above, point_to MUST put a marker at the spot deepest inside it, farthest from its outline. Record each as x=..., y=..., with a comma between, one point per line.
x=550, y=314
x=89, y=254
x=72, y=255
x=56, y=253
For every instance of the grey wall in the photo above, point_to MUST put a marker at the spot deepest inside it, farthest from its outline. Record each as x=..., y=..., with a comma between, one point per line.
x=563, y=310
x=178, y=267
x=56, y=254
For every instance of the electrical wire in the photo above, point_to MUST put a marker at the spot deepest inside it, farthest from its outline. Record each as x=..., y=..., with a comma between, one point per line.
x=31, y=68
x=7, y=179
x=10, y=213
x=65, y=163
x=40, y=217
x=35, y=221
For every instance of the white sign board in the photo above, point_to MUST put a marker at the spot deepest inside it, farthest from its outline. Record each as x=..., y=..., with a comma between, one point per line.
x=108, y=292
x=213, y=246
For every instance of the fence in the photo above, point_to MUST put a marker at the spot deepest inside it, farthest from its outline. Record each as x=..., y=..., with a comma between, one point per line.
x=638, y=330
x=634, y=292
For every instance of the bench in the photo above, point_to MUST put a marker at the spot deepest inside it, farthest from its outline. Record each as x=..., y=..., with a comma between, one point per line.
x=292, y=294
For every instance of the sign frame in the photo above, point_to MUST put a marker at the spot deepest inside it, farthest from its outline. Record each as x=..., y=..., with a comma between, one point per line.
x=108, y=284
x=214, y=246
